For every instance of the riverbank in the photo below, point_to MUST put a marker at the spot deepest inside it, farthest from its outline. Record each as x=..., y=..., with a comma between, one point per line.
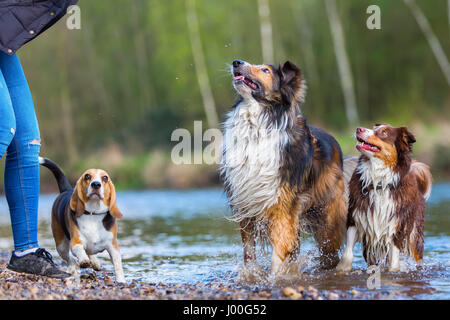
x=101, y=286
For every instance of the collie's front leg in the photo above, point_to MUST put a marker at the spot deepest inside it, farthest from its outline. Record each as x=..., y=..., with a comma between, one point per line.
x=283, y=235
x=345, y=265
x=331, y=227
x=248, y=240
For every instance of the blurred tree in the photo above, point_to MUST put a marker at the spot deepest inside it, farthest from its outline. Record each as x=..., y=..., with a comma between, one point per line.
x=129, y=77
x=448, y=9
x=200, y=66
x=435, y=45
x=66, y=102
x=266, y=31
x=342, y=62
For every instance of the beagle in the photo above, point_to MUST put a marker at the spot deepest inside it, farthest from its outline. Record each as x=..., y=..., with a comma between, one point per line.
x=84, y=219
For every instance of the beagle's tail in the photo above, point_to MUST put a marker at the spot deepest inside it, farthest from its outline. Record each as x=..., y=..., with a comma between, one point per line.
x=61, y=179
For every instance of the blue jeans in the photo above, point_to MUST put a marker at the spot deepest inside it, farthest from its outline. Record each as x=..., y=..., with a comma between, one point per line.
x=20, y=140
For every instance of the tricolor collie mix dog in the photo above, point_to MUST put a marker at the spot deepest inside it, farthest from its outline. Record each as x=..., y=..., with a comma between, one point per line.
x=279, y=172
x=84, y=219
x=387, y=195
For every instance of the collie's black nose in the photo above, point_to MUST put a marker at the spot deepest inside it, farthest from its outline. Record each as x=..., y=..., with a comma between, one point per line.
x=96, y=185
x=237, y=63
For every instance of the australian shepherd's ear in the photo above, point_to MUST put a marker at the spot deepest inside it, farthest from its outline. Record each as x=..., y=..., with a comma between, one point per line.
x=292, y=86
x=405, y=139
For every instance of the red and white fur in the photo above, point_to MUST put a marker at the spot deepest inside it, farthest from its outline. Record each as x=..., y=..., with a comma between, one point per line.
x=387, y=194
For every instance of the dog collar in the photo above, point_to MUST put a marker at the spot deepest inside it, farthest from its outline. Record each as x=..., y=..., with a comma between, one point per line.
x=94, y=213
x=369, y=188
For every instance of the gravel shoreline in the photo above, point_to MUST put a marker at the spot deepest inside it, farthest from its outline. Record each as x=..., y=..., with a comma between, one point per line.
x=101, y=286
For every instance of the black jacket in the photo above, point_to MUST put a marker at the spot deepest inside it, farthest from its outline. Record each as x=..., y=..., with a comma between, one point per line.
x=23, y=20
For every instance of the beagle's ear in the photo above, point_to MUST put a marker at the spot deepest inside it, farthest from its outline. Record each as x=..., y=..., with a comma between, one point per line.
x=113, y=209
x=78, y=200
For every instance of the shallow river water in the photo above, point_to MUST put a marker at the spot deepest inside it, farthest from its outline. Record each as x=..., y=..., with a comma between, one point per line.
x=184, y=237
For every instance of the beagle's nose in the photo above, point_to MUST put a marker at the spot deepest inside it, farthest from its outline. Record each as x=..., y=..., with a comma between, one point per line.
x=360, y=130
x=96, y=184
x=237, y=63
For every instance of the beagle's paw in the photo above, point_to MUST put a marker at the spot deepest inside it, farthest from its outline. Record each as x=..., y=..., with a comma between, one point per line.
x=85, y=264
x=95, y=263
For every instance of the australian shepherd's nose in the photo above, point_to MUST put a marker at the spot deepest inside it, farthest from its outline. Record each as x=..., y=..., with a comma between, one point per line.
x=279, y=172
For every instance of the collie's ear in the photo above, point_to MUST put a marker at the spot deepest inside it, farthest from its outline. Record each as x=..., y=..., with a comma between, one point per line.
x=407, y=138
x=78, y=200
x=113, y=209
x=293, y=87
x=289, y=71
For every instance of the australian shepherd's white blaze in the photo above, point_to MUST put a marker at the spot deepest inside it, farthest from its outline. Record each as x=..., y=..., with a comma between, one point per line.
x=387, y=195
x=279, y=172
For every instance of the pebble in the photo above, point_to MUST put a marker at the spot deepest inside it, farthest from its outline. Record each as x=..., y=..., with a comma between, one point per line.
x=102, y=285
x=292, y=293
x=288, y=291
x=333, y=296
x=34, y=290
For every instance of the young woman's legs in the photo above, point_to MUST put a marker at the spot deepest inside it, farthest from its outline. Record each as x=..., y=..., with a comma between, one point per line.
x=22, y=164
x=8, y=120
x=19, y=137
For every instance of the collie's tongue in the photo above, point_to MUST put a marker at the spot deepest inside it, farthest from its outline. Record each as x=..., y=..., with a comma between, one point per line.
x=238, y=78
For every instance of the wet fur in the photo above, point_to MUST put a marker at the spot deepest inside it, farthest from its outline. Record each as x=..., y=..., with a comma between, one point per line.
x=387, y=198
x=279, y=172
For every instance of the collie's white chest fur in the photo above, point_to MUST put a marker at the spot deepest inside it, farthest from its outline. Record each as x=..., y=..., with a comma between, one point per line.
x=378, y=224
x=252, y=150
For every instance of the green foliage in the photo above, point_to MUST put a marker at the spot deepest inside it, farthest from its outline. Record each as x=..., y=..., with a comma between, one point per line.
x=128, y=76
x=441, y=161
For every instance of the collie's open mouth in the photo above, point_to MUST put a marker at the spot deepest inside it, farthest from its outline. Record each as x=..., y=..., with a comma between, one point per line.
x=248, y=82
x=366, y=146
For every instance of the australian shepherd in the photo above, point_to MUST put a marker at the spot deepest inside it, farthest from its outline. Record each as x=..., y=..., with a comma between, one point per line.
x=281, y=173
x=387, y=195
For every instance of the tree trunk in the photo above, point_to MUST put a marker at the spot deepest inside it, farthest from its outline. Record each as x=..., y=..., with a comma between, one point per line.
x=448, y=8
x=200, y=66
x=66, y=106
x=144, y=86
x=433, y=41
x=303, y=24
x=266, y=31
x=342, y=62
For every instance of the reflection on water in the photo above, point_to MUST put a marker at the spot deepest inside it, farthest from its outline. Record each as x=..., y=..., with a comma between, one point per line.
x=183, y=236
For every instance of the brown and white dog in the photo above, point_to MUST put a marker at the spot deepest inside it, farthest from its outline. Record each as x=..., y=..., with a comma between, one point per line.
x=387, y=195
x=84, y=219
x=279, y=172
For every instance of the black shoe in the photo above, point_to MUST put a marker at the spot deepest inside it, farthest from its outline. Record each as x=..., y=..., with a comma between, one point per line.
x=39, y=262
